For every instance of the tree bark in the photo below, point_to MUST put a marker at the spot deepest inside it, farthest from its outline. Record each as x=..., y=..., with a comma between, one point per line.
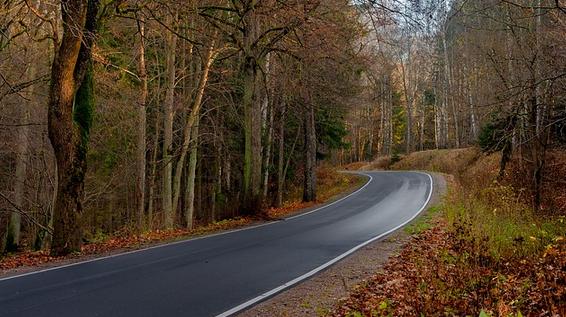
x=267, y=157
x=14, y=227
x=309, y=188
x=70, y=117
x=190, y=120
x=142, y=118
x=281, y=157
x=448, y=101
x=168, y=115
x=248, y=74
x=381, y=134
x=409, y=108
x=190, y=194
x=252, y=112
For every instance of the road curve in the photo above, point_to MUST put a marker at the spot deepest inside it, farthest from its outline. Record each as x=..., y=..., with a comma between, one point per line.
x=221, y=274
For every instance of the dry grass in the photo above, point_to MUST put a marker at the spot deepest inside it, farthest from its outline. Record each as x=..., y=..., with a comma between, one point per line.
x=381, y=163
x=489, y=255
x=443, y=161
x=355, y=166
x=495, y=212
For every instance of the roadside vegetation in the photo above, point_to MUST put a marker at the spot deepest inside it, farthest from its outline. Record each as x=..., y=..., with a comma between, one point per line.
x=181, y=114
x=331, y=183
x=482, y=252
x=125, y=123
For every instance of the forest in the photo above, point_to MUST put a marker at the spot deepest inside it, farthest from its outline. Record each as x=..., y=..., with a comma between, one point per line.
x=127, y=116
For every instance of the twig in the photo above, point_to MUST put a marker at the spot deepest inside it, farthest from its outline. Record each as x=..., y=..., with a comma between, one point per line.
x=25, y=214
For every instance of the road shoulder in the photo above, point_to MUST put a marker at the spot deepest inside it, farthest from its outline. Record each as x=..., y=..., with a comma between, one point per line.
x=318, y=295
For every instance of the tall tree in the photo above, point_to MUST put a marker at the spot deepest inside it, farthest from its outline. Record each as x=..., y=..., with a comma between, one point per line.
x=71, y=103
x=168, y=116
x=142, y=121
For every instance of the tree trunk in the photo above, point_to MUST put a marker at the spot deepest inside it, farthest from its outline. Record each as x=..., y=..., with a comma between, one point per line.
x=70, y=117
x=168, y=115
x=448, y=81
x=14, y=227
x=252, y=112
x=281, y=158
x=191, y=118
x=381, y=134
x=309, y=188
x=249, y=74
x=190, y=194
x=142, y=118
x=409, y=106
x=227, y=172
x=267, y=158
x=153, y=173
x=390, y=118
x=252, y=137
x=473, y=120
x=256, y=149
x=422, y=127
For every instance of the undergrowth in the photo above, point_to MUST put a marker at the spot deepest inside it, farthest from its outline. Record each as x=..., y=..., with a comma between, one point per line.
x=495, y=213
x=330, y=183
x=423, y=222
x=488, y=254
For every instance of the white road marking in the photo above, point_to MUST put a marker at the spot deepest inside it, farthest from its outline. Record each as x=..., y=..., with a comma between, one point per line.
x=185, y=241
x=329, y=263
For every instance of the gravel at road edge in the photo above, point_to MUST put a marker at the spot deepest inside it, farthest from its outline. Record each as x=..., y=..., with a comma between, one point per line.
x=318, y=295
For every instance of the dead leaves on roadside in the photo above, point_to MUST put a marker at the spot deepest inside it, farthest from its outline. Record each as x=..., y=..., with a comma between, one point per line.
x=436, y=275
x=121, y=241
x=25, y=259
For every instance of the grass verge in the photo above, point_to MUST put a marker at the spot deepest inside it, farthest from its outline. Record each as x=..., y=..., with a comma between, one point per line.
x=486, y=254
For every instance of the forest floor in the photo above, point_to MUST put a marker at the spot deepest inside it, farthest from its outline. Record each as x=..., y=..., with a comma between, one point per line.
x=483, y=253
x=332, y=185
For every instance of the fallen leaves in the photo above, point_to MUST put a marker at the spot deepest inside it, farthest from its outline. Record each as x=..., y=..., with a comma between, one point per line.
x=331, y=183
x=26, y=259
x=121, y=241
x=435, y=274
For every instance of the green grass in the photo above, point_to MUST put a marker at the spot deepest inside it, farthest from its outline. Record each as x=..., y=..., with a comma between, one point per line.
x=505, y=226
x=422, y=223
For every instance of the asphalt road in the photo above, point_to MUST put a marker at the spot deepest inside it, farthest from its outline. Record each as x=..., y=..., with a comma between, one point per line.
x=221, y=274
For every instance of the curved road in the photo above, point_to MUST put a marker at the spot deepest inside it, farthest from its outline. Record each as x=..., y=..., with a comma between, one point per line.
x=221, y=274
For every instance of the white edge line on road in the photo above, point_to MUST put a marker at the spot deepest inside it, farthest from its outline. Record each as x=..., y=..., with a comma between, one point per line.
x=334, y=202
x=187, y=240
x=327, y=264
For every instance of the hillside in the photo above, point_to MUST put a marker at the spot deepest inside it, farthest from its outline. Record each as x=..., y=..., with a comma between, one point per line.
x=482, y=251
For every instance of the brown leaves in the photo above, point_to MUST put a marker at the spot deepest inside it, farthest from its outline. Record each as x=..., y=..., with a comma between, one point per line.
x=436, y=274
x=121, y=241
x=25, y=259
x=331, y=183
